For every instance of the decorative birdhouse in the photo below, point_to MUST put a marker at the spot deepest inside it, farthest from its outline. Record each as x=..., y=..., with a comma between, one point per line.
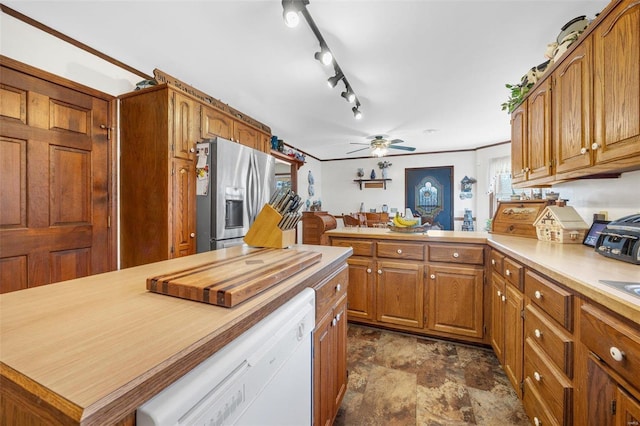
x=561, y=225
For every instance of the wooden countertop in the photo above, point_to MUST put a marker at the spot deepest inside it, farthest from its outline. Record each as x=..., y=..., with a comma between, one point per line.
x=98, y=347
x=576, y=266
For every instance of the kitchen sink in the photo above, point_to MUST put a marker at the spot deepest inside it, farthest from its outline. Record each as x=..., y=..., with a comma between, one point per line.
x=633, y=288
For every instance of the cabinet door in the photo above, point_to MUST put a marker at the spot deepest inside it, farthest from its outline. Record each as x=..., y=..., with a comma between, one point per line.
x=571, y=110
x=265, y=142
x=340, y=354
x=214, y=123
x=600, y=388
x=513, y=341
x=323, y=380
x=456, y=300
x=539, y=141
x=498, y=299
x=361, y=291
x=400, y=293
x=519, y=144
x=628, y=412
x=183, y=208
x=246, y=135
x=184, y=128
x=616, y=107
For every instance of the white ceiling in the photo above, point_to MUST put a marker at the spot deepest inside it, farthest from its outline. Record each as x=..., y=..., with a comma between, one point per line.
x=415, y=65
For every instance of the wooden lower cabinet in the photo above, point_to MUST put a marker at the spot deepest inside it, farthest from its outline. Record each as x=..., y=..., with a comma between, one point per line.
x=330, y=363
x=456, y=300
x=513, y=338
x=361, y=295
x=400, y=293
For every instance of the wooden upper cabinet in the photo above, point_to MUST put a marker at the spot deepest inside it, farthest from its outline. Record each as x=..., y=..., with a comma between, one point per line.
x=519, y=143
x=246, y=135
x=571, y=106
x=539, y=132
x=214, y=123
x=184, y=126
x=616, y=103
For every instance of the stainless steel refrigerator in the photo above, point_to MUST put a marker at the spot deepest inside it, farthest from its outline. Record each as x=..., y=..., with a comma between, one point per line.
x=234, y=182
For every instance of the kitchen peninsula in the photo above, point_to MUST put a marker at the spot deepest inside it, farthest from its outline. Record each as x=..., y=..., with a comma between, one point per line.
x=92, y=350
x=562, y=337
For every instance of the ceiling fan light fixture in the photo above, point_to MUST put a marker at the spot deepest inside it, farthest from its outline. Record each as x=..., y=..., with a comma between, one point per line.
x=356, y=113
x=379, y=151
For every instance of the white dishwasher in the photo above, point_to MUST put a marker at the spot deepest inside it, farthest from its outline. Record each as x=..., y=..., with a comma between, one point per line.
x=261, y=378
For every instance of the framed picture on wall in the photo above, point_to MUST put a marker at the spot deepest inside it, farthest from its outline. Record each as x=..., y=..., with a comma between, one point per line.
x=429, y=193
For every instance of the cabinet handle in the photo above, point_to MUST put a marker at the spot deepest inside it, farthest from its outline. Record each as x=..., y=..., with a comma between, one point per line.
x=399, y=251
x=536, y=421
x=368, y=270
x=537, y=333
x=537, y=294
x=507, y=273
x=584, y=151
x=493, y=262
x=504, y=298
x=380, y=271
x=616, y=353
x=433, y=276
x=595, y=146
x=537, y=376
x=338, y=288
x=192, y=235
x=455, y=254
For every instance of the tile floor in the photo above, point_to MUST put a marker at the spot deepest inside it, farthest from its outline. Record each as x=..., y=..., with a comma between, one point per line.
x=397, y=379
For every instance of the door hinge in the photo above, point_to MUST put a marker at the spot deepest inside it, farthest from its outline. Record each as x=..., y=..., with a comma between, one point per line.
x=171, y=251
x=522, y=314
x=109, y=221
x=522, y=387
x=613, y=407
x=484, y=329
x=173, y=170
x=108, y=129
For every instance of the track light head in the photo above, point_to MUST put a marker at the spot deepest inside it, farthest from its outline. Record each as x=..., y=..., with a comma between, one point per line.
x=356, y=112
x=290, y=12
x=333, y=81
x=348, y=95
x=324, y=55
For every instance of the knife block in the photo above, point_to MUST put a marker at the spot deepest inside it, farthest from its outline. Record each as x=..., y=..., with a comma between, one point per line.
x=265, y=232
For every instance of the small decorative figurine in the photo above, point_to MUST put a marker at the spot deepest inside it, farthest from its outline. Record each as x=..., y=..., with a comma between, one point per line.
x=373, y=174
x=360, y=173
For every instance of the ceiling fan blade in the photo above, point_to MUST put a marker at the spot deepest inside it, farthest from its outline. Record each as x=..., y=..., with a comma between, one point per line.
x=396, y=141
x=359, y=143
x=361, y=149
x=404, y=148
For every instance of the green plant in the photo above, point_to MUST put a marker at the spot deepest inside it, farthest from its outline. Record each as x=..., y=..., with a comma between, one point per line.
x=518, y=93
x=384, y=164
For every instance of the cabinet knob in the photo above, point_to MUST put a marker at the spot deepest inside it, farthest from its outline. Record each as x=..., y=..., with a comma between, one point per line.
x=537, y=376
x=507, y=273
x=368, y=270
x=526, y=169
x=584, y=151
x=595, y=146
x=399, y=251
x=192, y=235
x=380, y=271
x=504, y=298
x=493, y=262
x=455, y=254
x=338, y=317
x=192, y=150
x=338, y=288
x=433, y=276
x=334, y=322
x=616, y=353
x=536, y=421
x=499, y=293
x=537, y=333
x=537, y=294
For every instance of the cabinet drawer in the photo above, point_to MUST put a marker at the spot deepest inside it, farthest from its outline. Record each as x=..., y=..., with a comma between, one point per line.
x=614, y=341
x=553, y=300
x=456, y=254
x=535, y=408
x=556, y=343
x=330, y=290
x=513, y=272
x=360, y=248
x=551, y=385
x=497, y=259
x=393, y=250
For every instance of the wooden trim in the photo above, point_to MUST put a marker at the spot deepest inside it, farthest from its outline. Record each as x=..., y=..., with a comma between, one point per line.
x=71, y=41
x=112, y=183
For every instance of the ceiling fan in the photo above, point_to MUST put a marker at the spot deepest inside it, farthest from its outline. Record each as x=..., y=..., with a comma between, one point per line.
x=379, y=145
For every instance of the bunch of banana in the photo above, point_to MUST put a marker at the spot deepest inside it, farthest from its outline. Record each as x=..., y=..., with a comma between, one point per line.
x=401, y=222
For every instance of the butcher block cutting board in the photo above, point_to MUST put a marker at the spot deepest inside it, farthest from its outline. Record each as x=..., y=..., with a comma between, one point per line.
x=231, y=281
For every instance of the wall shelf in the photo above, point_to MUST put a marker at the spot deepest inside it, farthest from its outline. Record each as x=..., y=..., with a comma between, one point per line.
x=372, y=183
